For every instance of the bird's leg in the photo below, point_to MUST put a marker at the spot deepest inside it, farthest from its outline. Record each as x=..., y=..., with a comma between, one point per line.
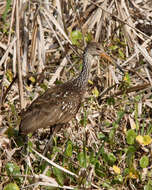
x=50, y=142
x=22, y=141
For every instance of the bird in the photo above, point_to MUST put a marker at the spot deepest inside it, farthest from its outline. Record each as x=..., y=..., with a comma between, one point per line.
x=60, y=103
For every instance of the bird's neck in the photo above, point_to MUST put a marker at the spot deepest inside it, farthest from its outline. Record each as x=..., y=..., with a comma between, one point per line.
x=82, y=79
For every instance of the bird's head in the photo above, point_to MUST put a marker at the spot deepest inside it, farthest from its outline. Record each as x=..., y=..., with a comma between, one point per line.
x=94, y=48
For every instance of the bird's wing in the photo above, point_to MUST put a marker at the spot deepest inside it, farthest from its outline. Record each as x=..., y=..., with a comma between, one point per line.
x=49, y=109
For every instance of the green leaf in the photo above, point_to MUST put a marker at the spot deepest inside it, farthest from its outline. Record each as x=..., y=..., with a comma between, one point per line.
x=92, y=158
x=12, y=169
x=88, y=37
x=82, y=159
x=11, y=186
x=100, y=170
x=43, y=86
x=148, y=186
x=144, y=162
x=84, y=119
x=95, y=92
x=8, y=5
x=9, y=75
x=111, y=158
x=101, y=136
x=69, y=149
x=112, y=135
x=147, y=140
x=120, y=115
x=59, y=176
x=76, y=37
x=131, y=136
x=118, y=179
x=49, y=172
x=32, y=79
x=110, y=101
x=10, y=132
x=130, y=155
x=121, y=54
x=114, y=47
x=127, y=78
x=103, y=153
x=90, y=82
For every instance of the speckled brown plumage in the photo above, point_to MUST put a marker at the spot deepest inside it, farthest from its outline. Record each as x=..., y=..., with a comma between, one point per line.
x=59, y=104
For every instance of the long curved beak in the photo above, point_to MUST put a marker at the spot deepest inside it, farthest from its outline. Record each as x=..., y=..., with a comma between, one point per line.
x=106, y=56
x=111, y=60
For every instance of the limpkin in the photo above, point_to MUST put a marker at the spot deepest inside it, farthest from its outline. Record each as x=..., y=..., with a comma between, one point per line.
x=59, y=104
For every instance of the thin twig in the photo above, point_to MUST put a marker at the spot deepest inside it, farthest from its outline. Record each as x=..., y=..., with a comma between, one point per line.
x=20, y=82
x=132, y=89
x=8, y=89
